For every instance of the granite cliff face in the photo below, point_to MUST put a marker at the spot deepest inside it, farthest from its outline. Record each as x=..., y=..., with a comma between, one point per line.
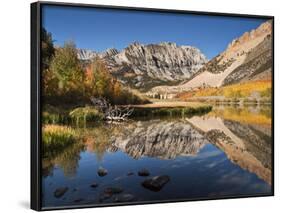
x=143, y=66
x=164, y=61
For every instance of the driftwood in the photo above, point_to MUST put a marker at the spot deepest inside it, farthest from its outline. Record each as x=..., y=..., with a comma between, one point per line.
x=112, y=113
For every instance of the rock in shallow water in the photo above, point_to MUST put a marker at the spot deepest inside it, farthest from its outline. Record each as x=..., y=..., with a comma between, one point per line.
x=113, y=190
x=78, y=200
x=143, y=172
x=108, y=192
x=130, y=173
x=94, y=185
x=104, y=196
x=59, y=192
x=156, y=183
x=102, y=172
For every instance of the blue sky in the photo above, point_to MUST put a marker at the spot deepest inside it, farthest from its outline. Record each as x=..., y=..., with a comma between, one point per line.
x=99, y=29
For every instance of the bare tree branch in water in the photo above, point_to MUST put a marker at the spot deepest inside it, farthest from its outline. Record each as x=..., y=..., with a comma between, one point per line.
x=112, y=112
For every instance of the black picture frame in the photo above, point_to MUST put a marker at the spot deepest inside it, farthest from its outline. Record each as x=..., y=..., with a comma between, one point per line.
x=36, y=22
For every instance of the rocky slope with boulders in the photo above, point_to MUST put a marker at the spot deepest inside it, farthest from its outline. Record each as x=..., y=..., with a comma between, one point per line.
x=256, y=66
x=246, y=58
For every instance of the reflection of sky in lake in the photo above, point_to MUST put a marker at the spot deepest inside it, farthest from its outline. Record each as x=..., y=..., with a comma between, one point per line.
x=209, y=173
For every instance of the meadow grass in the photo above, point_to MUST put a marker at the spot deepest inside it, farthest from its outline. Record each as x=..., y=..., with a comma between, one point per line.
x=55, y=115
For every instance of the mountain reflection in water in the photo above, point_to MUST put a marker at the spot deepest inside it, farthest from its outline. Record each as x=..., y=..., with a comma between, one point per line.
x=160, y=139
x=226, y=152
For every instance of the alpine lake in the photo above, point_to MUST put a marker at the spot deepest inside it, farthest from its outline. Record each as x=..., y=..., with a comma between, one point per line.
x=225, y=152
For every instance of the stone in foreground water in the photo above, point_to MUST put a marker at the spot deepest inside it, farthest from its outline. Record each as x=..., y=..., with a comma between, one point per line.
x=102, y=172
x=156, y=183
x=113, y=190
x=143, y=172
x=125, y=198
x=59, y=192
x=94, y=185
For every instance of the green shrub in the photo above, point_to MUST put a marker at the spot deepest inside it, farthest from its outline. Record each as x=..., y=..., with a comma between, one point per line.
x=85, y=114
x=266, y=93
x=54, y=115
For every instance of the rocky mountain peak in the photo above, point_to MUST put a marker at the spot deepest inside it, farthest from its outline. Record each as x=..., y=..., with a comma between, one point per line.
x=109, y=53
x=84, y=54
x=141, y=65
x=171, y=44
x=248, y=40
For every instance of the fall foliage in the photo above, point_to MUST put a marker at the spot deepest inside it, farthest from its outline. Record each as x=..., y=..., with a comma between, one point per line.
x=261, y=88
x=71, y=82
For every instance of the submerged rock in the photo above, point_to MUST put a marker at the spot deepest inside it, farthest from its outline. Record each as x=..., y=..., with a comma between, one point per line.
x=94, y=185
x=78, y=200
x=59, y=192
x=113, y=190
x=143, y=172
x=130, y=173
x=105, y=196
x=108, y=193
x=125, y=198
x=156, y=183
x=102, y=172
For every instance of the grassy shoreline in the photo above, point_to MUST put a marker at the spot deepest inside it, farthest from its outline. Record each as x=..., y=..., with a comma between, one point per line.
x=56, y=138
x=171, y=108
x=53, y=115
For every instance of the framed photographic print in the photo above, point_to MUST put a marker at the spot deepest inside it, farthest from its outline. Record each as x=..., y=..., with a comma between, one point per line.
x=137, y=106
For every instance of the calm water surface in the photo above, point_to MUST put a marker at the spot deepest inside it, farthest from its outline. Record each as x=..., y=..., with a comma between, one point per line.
x=226, y=152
